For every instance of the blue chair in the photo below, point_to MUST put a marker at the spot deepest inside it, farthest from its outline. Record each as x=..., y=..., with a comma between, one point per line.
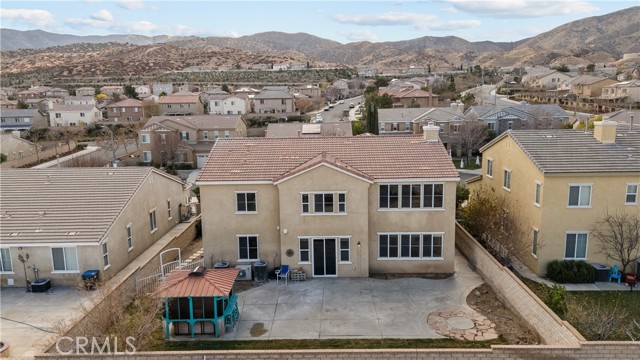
x=614, y=273
x=283, y=272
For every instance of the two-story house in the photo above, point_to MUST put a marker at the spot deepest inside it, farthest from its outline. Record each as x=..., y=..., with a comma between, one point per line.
x=333, y=206
x=283, y=130
x=228, y=104
x=73, y=115
x=563, y=182
x=126, y=110
x=142, y=89
x=160, y=88
x=112, y=90
x=406, y=96
x=273, y=101
x=79, y=100
x=550, y=80
x=587, y=86
x=184, y=104
x=22, y=119
x=57, y=93
x=186, y=139
x=70, y=220
x=85, y=91
x=367, y=72
x=625, y=91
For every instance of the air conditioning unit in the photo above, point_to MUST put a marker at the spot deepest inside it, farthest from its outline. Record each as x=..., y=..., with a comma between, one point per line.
x=245, y=272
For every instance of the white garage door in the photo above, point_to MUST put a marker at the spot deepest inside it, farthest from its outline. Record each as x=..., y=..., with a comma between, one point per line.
x=201, y=160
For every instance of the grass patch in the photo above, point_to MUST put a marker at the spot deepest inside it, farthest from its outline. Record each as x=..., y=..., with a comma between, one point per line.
x=321, y=344
x=471, y=165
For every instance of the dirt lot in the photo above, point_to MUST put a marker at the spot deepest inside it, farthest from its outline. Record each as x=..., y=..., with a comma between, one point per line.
x=508, y=324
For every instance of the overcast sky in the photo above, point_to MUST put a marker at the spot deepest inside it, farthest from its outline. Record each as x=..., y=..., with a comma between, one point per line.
x=343, y=21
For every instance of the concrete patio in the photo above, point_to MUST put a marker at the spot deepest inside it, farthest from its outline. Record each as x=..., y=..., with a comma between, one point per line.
x=351, y=307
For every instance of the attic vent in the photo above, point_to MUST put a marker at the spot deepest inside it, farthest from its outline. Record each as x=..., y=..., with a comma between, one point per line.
x=111, y=173
x=4, y=214
x=198, y=271
x=73, y=233
x=14, y=234
x=549, y=136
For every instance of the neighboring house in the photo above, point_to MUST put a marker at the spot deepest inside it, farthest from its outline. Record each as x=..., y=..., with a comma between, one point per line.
x=73, y=115
x=143, y=90
x=8, y=91
x=126, y=110
x=283, y=130
x=8, y=105
x=367, y=72
x=71, y=220
x=181, y=105
x=22, y=119
x=186, y=139
x=14, y=146
x=57, y=93
x=563, y=182
x=624, y=118
x=312, y=91
x=342, y=86
x=297, y=66
x=186, y=88
x=403, y=97
x=246, y=92
x=79, y=100
x=159, y=88
x=587, y=86
x=277, y=67
x=112, y=90
x=228, y=104
x=628, y=91
x=85, y=91
x=273, y=101
x=29, y=94
x=549, y=81
x=501, y=118
x=332, y=206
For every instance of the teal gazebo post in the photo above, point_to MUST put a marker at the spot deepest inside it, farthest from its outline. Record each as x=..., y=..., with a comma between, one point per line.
x=168, y=322
x=192, y=322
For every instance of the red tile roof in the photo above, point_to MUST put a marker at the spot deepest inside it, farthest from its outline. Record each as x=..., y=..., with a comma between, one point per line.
x=406, y=93
x=377, y=157
x=214, y=282
x=126, y=103
x=178, y=99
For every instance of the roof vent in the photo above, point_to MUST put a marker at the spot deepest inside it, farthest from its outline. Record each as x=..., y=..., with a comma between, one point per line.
x=72, y=233
x=198, y=271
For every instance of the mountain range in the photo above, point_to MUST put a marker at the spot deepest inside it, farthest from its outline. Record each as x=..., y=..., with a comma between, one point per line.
x=591, y=40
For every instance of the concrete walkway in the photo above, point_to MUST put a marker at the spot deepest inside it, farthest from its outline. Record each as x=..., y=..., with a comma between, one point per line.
x=54, y=163
x=597, y=286
x=352, y=307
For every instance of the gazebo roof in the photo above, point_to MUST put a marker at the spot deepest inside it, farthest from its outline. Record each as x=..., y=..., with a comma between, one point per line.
x=213, y=282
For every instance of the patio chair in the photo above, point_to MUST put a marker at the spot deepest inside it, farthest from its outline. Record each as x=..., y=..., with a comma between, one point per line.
x=283, y=272
x=614, y=273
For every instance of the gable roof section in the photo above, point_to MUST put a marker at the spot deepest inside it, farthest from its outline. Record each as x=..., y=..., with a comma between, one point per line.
x=214, y=282
x=7, y=113
x=125, y=103
x=70, y=107
x=49, y=205
x=574, y=151
x=200, y=122
x=179, y=99
x=273, y=94
x=323, y=159
x=378, y=157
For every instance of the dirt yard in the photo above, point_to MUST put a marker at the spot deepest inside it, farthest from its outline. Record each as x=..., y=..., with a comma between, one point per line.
x=508, y=324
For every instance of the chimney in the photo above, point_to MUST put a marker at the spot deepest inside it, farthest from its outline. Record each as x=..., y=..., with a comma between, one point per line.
x=431, y=132
x=298, y=133
x=605, y=131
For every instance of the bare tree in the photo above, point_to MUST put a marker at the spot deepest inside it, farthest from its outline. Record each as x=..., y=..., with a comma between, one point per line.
x=497, y=224
x=470, y=137
x=596, y=321
x=126, y=133
x=166, y=144
x=151, y=108
x=72, y=133
x=619, y=236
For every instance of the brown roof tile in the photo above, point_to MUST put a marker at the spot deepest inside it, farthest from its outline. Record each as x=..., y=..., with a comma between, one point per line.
x=377, y=157
x=214, y=282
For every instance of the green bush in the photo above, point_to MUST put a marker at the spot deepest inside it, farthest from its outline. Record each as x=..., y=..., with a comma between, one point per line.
x=555, y=298
x=570, y=271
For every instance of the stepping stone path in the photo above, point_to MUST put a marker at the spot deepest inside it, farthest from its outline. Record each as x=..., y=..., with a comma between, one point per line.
x=462, y=325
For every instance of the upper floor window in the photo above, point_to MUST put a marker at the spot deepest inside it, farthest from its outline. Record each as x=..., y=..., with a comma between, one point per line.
x=411, y=196
x=489, y=167
x=129, y=237
x=145, y=138
x=284, y=102
x=491, y=126
x=184, y=135
x=538, y=193
x=81, y=114
x=105, y=254
x=632, y=194
x=152, y=221
x=216, y=134
x=324, y=203
x=205, y=135
x=246, y=202
x=226, y=133
x=579, y=195
x=169, y=209
x=506, y=180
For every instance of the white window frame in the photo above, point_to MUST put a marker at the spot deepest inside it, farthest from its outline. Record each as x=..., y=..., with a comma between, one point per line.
x=311, y=202
x=344, y=250
x=247, y=236
x=226, y=134
x=399, y=239
x=146, y=158
x=306, y=251
x=537, y=196
x=535, y=242
x=146, y=137
x=634, y=194
x=216, y=134
x=575, y=249
x=3, y=269
x=579, y=195
x=64, y=254
x=153, y=220
x=506, y=179
x=490, y=168
x=205, y=135
x=105, y=255
x=246, y=202
x=129, y=237
x=169, y=209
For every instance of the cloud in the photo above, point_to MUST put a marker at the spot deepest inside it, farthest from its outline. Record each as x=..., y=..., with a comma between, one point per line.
x=389, y=18
x=134, y=5
x=449, y=25
x=359, y=35
x=33, y=17
x=450, y=10
x=113, y=26
x=522, y=8
x=102, y=15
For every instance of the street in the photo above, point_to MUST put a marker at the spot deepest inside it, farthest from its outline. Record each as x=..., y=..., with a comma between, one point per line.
x=486, y=95
x=335, y=114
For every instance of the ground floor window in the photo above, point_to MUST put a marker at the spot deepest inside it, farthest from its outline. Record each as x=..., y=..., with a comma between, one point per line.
x=64, y=259
x=303, y=251
x=576, y=246
x=410, y=246
x=5, y=260
x=247, y=247
x=345, y=253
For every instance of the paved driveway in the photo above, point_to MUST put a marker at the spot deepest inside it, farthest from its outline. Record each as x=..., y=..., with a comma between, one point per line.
x=351, y=307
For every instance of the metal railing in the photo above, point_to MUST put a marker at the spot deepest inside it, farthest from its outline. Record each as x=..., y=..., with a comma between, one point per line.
x=149, y=284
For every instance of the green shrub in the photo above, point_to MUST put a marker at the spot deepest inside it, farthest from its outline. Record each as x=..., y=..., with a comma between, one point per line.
x=570, y=271
x=555, y=298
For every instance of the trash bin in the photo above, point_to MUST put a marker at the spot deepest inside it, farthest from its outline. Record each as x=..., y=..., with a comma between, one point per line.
x=260, y=271
x=90, y=279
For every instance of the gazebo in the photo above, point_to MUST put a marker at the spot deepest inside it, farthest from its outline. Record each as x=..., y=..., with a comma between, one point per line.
x=199, y=301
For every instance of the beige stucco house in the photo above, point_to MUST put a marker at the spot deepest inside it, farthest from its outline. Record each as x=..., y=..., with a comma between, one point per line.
x=333, y=206
x=563, y=181
x=71, y=220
